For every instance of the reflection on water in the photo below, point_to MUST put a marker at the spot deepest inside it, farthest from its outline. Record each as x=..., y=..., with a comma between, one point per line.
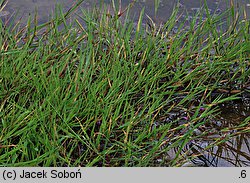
x=235, y=151
x=225, y=144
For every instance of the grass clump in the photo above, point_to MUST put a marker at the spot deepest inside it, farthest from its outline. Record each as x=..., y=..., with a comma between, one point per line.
x=103, y=92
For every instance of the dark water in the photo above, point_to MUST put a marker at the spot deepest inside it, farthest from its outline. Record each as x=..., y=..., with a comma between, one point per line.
x=236, y=150
x=45, y=7
x=233, y=152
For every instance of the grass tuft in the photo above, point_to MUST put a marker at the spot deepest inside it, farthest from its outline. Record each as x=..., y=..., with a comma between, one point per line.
x=101, y=92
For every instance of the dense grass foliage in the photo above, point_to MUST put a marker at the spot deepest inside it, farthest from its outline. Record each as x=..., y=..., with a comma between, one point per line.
x=102, y=91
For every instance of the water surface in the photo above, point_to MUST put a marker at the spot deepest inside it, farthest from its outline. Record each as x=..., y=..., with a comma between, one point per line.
x=45, y=7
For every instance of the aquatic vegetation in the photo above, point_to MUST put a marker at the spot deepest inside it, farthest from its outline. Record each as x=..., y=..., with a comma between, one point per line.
x=101, y=91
